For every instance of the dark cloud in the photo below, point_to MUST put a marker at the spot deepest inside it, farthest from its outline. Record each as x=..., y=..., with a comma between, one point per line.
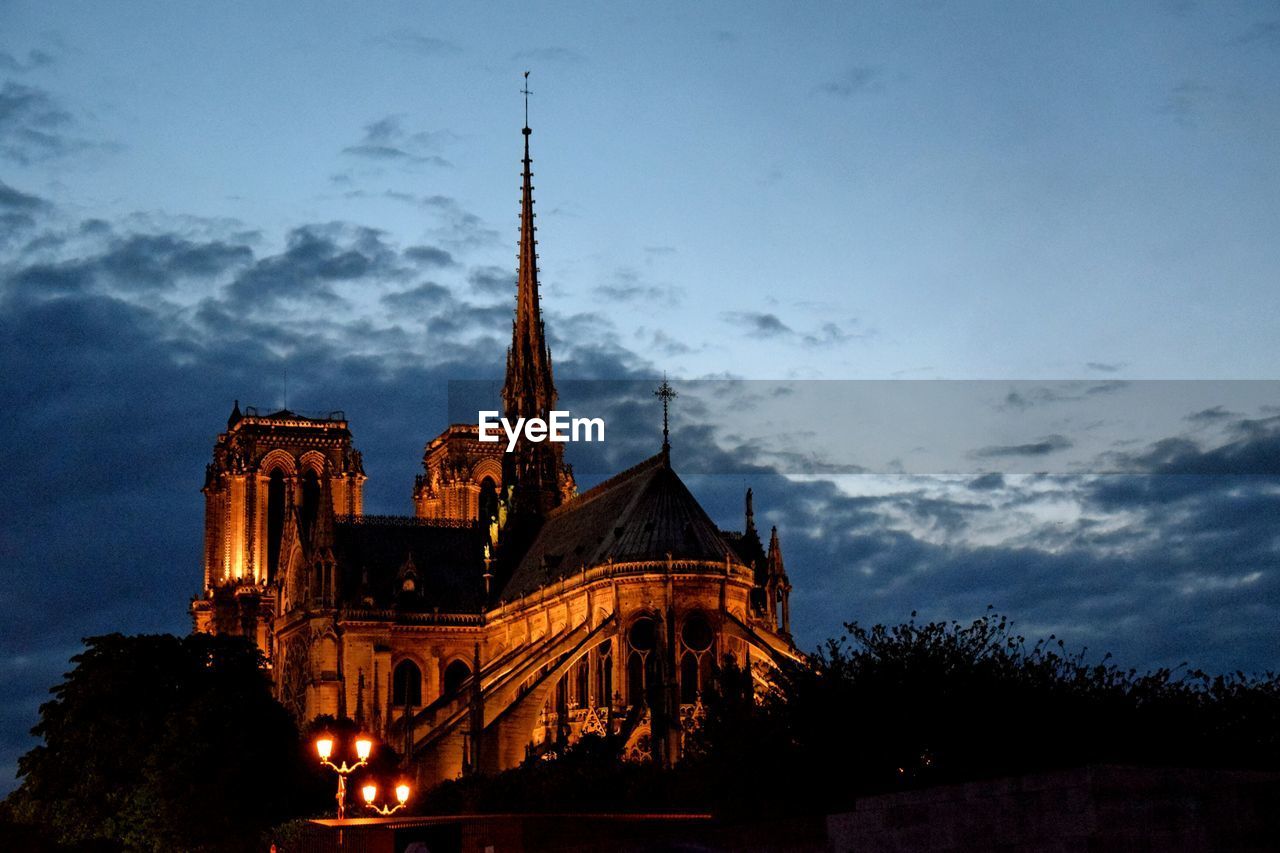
x=1058, y=392
x=429, y=256
x=16, y=200
x=424, y=298
x=762, y=324
x=1214, y=414
x=857, y=79
x=35, y=59
x=1042, y=447
x=18, y=213
x=492, y=281
x=992, y=480
x=1105, y=367
x=316, y=258
x=35, y=127
x=387, y=140
x=828, y=334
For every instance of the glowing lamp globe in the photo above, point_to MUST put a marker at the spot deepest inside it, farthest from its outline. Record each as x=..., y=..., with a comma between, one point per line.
x=324, y=747
x=363, y=747
x=370, y=793
x=402, y=793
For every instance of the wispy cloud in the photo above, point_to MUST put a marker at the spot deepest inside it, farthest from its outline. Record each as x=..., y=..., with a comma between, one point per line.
x=855, y=80
x=558, y=54
x=387, y=140
x=1040, y=447
x=35, y=127
x=35, y=59
x=763, y=324
x=414, y=42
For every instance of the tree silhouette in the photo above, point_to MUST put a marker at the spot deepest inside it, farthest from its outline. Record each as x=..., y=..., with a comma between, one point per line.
x=163, y=743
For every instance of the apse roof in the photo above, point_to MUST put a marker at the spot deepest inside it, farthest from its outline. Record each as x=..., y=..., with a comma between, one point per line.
x=644, y=513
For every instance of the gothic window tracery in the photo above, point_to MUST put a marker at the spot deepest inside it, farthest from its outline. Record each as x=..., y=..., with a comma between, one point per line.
x=406, y=684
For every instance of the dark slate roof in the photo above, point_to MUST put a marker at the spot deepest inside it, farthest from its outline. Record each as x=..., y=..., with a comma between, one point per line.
x=643, y=513
x=448, y=559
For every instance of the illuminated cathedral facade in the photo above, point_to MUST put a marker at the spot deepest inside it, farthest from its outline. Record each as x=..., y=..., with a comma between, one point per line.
x=510, y=614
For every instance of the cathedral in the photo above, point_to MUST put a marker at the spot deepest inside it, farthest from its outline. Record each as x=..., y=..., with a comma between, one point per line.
x=510, y=614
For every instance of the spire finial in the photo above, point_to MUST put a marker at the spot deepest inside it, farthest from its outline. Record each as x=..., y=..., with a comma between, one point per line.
x=665, y=393
x=525, y=91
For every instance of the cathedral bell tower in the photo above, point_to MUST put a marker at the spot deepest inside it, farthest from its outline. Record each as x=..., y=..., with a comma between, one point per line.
x=275, y=481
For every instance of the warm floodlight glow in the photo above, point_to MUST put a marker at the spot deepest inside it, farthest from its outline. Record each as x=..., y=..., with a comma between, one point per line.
x=370, y=793
x=402, y=793
x=363, y=747
x=324, y=746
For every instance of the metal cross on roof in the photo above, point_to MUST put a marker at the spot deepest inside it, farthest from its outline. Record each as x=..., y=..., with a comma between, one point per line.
x=525, y=91
x=665, y=393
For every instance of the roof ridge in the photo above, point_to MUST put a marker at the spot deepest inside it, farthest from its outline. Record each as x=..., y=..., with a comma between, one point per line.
x=600, y=488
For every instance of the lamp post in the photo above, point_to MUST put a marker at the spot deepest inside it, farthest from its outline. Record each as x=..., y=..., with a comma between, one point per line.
x=324, y=748
x=370, y=793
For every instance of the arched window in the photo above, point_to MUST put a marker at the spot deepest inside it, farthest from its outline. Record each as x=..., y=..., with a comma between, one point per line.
x=641, y=663
x=635, y=679
x=488, y=499
x=406, y=684
x=582, y=682
x=310, y=501
x=689, y=682
x=454, y=674
x=604, y=673
x=275, y=521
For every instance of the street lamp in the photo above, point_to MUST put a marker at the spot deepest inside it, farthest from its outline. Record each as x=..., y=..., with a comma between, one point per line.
x=324, y=748
x=370, y=793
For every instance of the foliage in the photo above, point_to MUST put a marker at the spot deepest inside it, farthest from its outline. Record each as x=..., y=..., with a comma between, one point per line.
x=924, y=703
x=163, y=743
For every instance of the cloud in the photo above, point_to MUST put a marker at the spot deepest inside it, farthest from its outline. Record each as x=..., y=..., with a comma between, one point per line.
x=1261, y=32
x=1214, y=414
x=986, y=482
x=13, y=199
x=410, y=41
x=1105, y=367
x=757, y=323
x=856, y=80
x=1042, y=447
x=35, y=59
x=1059, y=392
x=316, y=258
x=1186, y=101
x=386, y=140
x=830, y=334
x=493, y=281
x=430, y=256
x=18, y=212
x=549, y=54
x=628, y=286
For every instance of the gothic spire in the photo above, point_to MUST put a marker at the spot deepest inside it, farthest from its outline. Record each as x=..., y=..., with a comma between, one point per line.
x=535, y=468
x=529, y=390
x=776, y=568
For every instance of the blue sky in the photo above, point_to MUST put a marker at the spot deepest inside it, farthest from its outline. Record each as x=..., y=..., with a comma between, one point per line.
x=197, y=198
